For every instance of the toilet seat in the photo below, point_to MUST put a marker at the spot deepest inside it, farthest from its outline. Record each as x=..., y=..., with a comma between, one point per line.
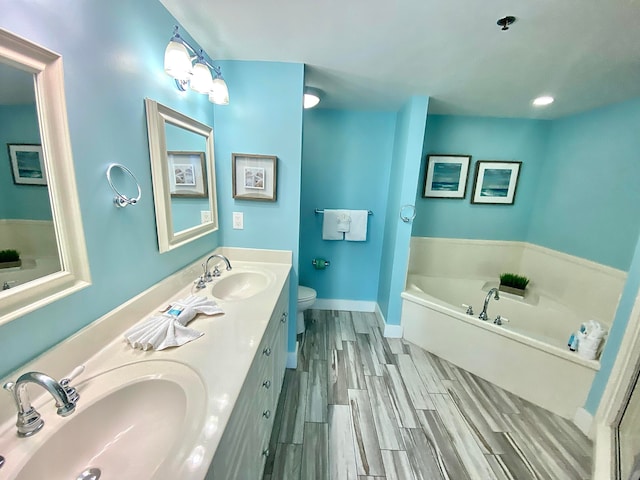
x=305, y=294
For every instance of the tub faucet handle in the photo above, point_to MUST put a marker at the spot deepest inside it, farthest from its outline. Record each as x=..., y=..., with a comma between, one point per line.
x=500, y=320
x=469, y=308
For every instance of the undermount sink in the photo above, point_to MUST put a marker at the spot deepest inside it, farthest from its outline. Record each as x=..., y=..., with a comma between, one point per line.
x=241, y=285
x=135, y=421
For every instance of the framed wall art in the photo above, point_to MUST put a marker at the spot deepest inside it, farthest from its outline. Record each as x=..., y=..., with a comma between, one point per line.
x=187, y=174
x=446, y=176
x=254, y=177
x=27, y=164
x=495, y=182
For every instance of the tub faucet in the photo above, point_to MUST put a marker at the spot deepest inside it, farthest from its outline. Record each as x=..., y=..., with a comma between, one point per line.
x=483, y=313
x=216, y=272
x=29, y=420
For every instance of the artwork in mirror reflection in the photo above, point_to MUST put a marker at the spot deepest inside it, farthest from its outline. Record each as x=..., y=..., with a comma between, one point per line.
x=26, y=222
x=187, y=177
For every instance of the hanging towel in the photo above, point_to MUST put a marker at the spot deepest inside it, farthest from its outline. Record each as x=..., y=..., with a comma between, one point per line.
x=358, y=230
x=344, y=220
x=330, y=225
x=168, y=329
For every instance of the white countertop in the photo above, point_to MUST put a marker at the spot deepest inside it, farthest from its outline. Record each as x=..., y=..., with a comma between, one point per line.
x=221, y=358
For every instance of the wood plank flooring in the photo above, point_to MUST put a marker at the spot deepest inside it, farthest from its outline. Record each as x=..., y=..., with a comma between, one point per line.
x=360, y=406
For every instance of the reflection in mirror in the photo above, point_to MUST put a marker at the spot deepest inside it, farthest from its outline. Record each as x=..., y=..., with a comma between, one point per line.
x=26, y=223
x=39, y=209
x=183, y=169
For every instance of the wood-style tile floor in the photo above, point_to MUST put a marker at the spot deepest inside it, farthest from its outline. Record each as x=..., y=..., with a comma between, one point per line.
x=360, y=406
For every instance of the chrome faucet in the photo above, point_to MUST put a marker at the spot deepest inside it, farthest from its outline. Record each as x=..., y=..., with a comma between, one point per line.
x=483, y=313
x=29, y=420
x=208, y=276
x=8, y=284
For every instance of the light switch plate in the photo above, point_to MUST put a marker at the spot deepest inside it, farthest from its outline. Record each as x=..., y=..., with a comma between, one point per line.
x=205, y=216
x=238, y=220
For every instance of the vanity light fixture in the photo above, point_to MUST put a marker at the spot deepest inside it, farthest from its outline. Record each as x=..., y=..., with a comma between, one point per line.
x=311, y=97
x=543, y=101
x=179, y=58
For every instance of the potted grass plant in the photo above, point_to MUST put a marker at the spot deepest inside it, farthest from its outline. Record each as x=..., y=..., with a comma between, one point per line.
x=9, y=258
x=513, y=283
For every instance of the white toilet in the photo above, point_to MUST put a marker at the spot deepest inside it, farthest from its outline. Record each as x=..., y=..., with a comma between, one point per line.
x=306, y=297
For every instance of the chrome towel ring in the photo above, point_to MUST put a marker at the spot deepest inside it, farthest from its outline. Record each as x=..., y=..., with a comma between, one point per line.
x=403, y=213
x=121, y=200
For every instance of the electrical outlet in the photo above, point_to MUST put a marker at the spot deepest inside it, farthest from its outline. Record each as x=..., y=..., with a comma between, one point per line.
x=238, y=220
x=205, y=216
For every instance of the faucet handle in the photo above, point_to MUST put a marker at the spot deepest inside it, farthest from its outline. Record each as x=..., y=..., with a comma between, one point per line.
x=216, y=271
x=469, y=308
x=72, y=394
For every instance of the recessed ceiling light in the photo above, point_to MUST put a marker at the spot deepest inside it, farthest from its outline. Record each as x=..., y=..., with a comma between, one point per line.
x=543, y=101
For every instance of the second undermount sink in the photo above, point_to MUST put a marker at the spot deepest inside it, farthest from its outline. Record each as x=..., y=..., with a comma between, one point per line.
x=136, y=421
x=240, y=285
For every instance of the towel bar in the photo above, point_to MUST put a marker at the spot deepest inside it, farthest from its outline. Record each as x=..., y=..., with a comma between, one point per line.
x=321, y=210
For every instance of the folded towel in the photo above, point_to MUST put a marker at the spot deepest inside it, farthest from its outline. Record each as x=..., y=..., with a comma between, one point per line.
x=168, y=329
x=358, y=230
x=344, y=221
x=330, y=225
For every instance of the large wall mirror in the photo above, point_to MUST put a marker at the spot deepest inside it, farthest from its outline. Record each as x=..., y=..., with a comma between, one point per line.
x=183, y=170
x=39, y=209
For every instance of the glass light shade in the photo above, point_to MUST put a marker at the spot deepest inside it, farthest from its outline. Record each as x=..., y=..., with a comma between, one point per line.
x=177, y=62
x=543, y=101
x=219, y=94
x=310, y=100
x=201, y=80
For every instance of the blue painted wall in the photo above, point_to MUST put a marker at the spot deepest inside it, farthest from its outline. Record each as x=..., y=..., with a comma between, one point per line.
x=346, y=163
x=113, y=59
x=264, y=116
x=407, y=154
x=19, y=124
x=587, y=204
x=483, y=138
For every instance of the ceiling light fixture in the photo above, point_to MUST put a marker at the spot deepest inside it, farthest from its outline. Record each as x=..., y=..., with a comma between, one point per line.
x=504, y=22
x=178, y=63
x=543, y=101
x=311, y=97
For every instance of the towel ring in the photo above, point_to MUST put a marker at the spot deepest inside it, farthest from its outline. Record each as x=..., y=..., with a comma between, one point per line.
x=407, y=218
x=121, y=200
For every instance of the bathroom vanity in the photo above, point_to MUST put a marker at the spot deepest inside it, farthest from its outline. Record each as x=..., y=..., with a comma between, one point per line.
x=201, y=410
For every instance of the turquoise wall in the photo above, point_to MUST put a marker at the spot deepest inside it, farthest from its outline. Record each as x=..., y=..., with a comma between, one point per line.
x=405, y=165
x=588, y=198
x=345, y=164
x=19, y=124
x=264, y=116
x=113, y=58
x=483, y=138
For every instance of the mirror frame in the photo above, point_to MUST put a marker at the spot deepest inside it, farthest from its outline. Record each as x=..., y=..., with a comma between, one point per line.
x=46, y=66
x=158, y=116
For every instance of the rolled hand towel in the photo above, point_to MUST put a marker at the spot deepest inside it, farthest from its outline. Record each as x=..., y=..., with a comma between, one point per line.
x=168, y=329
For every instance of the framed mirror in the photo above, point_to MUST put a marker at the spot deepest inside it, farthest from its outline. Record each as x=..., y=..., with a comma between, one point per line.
x=183, y=171
x=39, y=208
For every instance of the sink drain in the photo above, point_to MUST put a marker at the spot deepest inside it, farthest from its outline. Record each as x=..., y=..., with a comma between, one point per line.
x=90, y=474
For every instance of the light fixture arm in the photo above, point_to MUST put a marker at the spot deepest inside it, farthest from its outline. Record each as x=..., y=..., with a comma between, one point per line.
x=199, y=54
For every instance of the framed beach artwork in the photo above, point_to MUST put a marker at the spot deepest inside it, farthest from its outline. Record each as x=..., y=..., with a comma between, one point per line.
x=187, y=173
x=446, y=176
x=496, y=182
x=254, y=177
x=27, y=164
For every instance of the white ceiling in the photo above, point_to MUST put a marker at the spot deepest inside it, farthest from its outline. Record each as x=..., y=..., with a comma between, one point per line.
x=375, y=54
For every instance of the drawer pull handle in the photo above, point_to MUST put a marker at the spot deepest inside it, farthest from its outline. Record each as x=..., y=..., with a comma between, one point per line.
x=266, y=414
x=283, y=319
x=267, y=351
x=266, y=384
x=265, y=452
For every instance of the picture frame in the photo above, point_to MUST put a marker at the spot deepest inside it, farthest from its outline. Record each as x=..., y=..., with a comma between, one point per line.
x=254, y=177
x=446, y=176
x=27, y=164
x=496, y=182
x=187, y=174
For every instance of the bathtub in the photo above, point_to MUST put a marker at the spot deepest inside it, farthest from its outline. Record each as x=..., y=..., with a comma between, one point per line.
x=528, y=356
x=31, y=269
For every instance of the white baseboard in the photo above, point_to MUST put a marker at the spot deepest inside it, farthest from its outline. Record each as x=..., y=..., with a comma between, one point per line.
x=348, y=305
x=583, y=420
x=292, y=358
x=380, y=317
x=393, y=331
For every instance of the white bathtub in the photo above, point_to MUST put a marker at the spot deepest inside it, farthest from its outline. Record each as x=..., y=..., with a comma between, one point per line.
x=527, y=356
x=31, y=269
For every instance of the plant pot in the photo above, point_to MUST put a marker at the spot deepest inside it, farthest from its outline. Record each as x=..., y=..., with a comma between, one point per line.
x=512, y=290
x=17, y=263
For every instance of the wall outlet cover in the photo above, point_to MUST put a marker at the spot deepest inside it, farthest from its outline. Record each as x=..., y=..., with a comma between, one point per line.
x=205, y=216
x=238, y=220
